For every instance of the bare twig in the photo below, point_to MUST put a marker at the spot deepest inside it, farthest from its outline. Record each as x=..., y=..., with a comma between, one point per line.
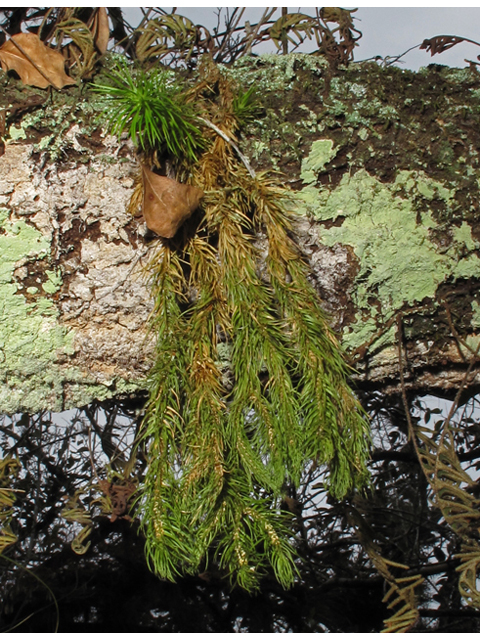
x=411, y=430
x=459, y=341
x=267, y=14
x=230, y=30
x=146, y=15
x=232, y=143
x=429, y=45
x=389, y=60
x=462, y=386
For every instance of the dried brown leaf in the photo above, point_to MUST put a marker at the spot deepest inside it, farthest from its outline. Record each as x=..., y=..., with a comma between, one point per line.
x=36, y=64
x=343, y=17
x=119, y=495
x=439, y=44
x=101, y=30
x=167, y=203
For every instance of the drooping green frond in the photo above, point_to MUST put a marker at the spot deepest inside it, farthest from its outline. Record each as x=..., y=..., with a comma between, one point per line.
x=207, y=489
x=249, y=384
x=334, y=426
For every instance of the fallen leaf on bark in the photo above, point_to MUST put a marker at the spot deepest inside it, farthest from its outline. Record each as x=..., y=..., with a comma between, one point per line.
x=167, y=203
x=38, y=66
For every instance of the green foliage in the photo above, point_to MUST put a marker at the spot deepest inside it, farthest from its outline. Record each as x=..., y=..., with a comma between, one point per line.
x=201, y=495
x=222, y=456
x=220, y=459
x=151, y=108
x=245, y=106
x=224, y=453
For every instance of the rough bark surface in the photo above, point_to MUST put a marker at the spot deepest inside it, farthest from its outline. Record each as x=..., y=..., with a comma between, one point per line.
x=75, y=299
x=385, y=169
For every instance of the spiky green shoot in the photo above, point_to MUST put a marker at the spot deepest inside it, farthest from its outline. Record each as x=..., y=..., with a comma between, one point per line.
x=150, y=107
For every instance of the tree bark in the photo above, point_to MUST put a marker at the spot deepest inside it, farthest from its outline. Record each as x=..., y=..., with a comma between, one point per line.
x=384, y=172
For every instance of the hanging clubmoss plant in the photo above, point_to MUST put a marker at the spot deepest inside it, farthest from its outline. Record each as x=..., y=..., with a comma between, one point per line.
x=249, y=382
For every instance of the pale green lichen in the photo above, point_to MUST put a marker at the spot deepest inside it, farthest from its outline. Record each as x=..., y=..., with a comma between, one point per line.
x=273, y=137
x=310, y=122
x=473, y=343
x=32, y=340
x=30, y=337
x=19, y=240
x=475, y=314
x=363, y=133
x=58, y=117
x=17, y=133
x=54, y=281
x=352, y=102
x=80, y=393
x=399, y=262
x=321, y=154
x=45, y=143
x=463, y=235
x=34, y=345
x=271, y=72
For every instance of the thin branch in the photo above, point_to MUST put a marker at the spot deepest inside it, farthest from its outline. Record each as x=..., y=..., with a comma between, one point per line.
x=411, y=430
x=230, y=141
x=456, y=401
x=230, y=29
x=146, y=15
x=389, y=60
x=449, y=613
x=455, y=334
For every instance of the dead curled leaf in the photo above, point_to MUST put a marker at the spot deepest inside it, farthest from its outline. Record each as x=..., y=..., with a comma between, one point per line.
x=35, y=63
x=439, y=44
x=167, y=203
x=100, y=29
x=119, y=496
